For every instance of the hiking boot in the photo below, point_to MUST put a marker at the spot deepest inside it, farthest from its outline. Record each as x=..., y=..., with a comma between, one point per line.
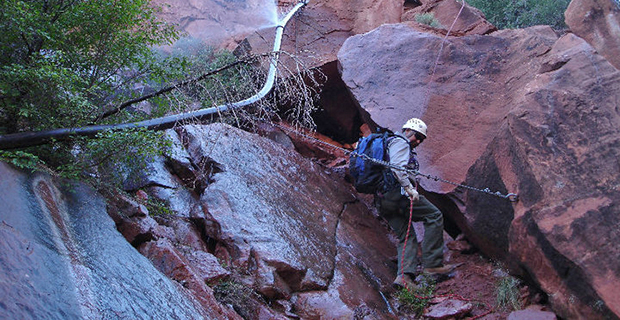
x=404, y=281
x=441, y=270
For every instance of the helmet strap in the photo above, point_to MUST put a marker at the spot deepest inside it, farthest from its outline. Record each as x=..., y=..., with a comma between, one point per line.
x=408, y=133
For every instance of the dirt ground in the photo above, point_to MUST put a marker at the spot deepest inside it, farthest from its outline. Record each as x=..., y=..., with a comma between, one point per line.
x=475, y=280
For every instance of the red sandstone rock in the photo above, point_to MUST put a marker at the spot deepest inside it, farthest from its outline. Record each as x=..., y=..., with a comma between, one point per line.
x=469, y=21
x=167, y=259
x=449, y=309
x=598, y=22
x=315, y=35
x=521, y=111
x=531, y=314
x=266, y=231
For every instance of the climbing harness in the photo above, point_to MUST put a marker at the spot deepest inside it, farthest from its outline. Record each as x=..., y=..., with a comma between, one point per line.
x=512, y=197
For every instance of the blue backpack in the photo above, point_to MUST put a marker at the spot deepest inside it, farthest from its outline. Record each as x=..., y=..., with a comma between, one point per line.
x=369, y=176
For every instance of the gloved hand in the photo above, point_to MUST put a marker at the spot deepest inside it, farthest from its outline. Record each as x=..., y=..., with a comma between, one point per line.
x=412, y=193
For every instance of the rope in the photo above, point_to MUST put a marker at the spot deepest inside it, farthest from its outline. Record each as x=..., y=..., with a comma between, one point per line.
x=402, y=257
x=445, y=38
x=449, y=295
x=510, y=196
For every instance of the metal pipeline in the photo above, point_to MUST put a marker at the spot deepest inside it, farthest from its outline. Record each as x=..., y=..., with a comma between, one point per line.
x=27, y=139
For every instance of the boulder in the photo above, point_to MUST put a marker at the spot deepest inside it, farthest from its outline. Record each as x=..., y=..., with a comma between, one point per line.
x=467, y=20
x=522, y=111
x=289, y=223
x=532, y=313
x=598, y=22
x=279, y=224
x=193, y=275
x=448, y=309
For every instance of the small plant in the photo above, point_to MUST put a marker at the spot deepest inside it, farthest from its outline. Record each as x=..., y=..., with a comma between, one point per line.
x=242, y=298
x=158, y=208
x=415, y=300
x=507, y=291
x=428, y=19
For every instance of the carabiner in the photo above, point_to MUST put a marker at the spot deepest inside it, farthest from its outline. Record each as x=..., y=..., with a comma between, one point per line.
x=512, y=197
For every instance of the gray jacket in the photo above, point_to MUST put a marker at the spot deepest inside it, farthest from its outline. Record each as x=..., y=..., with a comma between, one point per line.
x=400, y=152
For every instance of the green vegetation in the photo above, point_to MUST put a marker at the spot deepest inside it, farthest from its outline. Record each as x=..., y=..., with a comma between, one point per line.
x=428, y=19
x=507, y=291
x=20, y=159
x=415, y=300
x=63, y=62
x=158, y=208
x=70, y=64
x=242, y=298
x=512, y=14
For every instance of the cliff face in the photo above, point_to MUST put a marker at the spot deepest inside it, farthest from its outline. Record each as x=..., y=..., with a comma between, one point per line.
x=524, y=111
x=245, y=212
x=597, y=22
x=62, y=257
x=219, y=23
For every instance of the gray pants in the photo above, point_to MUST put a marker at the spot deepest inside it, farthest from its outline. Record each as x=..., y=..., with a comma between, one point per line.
x=394, y=207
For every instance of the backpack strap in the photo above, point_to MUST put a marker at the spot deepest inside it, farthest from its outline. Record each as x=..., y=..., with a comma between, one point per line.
x=390, y=137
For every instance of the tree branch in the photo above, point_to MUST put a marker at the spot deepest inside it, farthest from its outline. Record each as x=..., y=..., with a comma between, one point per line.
x=170, y=88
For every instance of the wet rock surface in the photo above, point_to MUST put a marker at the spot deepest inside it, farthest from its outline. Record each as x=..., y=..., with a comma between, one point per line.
x=272, y=220
x=218, y=23
x=62, y=257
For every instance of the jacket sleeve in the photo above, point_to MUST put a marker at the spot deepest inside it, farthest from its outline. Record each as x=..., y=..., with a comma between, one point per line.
x=398, y=150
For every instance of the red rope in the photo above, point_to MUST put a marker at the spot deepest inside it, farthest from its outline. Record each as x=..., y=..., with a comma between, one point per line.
x=402, y=258
x=449, y=295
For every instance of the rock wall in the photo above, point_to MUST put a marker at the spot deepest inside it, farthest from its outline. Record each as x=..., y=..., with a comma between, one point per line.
x=225, y=214
x=515, y=111
x=218, y=23
x=61, y=257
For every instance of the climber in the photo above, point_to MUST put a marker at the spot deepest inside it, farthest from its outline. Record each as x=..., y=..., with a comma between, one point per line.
x=394, y=206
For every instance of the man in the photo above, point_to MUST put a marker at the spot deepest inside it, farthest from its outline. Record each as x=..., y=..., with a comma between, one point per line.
x=394, y=206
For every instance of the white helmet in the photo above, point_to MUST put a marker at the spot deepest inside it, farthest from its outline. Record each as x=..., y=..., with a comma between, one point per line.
x=416, y=125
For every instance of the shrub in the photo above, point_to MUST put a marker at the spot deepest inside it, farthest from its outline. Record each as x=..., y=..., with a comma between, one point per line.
x=61, y=61
x=415, y=300
x=507, y=292
x=242, y=298
x=512, y=14
x=70, y=64
x=20, y=159
x=428, y=19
